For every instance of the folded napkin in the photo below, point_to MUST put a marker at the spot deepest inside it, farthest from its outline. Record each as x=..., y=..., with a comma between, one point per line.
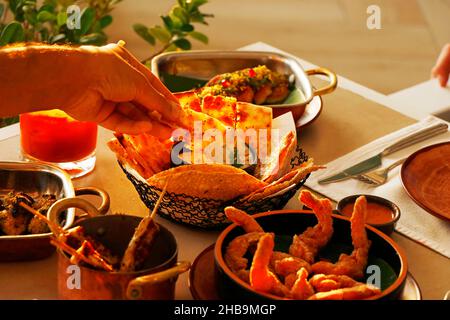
x=415, y=222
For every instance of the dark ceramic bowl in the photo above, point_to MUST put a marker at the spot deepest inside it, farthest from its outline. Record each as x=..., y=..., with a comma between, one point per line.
x=387, y=227
x=384, y=252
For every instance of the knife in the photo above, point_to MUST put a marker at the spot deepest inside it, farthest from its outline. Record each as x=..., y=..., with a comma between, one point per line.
x=375, y=161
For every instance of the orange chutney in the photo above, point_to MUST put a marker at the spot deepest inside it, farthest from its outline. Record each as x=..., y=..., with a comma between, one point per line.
x=376, y=213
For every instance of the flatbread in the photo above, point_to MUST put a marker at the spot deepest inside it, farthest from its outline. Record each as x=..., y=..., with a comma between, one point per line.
x=279, y=162
x=221, y=108
x=144, y=153
x=251, y=116
x=207, y=181
x=289, y=179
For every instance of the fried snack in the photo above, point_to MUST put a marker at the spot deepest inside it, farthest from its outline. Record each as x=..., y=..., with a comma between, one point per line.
x=189, y=100
x=208, y=181
x=236, y=250
x=261, y=278
x=328, y=282
x=242, y=219
x=362, y=291
x=144, y=153
x=308, y=244
x=351, y=265
x=279, y=163
x=302, y=289
x=285, y=264
x=291, y=178
x=285, y=275
x=221, y=108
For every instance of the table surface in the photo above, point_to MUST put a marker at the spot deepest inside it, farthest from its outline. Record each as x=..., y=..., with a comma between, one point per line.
x=329, y=137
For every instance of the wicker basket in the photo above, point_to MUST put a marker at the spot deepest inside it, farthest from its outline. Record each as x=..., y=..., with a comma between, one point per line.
x=208, y=213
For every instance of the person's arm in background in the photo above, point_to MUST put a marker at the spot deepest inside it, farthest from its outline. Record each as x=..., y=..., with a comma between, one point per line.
x=102, y=84
x=442, y=68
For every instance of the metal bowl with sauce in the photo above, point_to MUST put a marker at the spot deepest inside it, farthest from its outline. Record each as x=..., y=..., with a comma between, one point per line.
x=382, y=213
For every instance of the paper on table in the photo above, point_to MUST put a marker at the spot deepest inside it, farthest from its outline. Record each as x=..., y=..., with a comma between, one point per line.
x=415, y=98
x=415, y=222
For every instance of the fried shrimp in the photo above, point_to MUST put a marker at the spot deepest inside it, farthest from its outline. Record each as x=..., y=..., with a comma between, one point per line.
x=351, y=265
x=237, y=248
x=302, y=289
x=289, y=265
x=307, y=244
x=323, y=282
x=261, y=278
x=243, y=219
x=362, y=291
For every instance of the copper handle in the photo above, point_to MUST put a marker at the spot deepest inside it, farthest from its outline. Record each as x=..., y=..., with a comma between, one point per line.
x=331, y=75
x=106, y=202
x=67, y=203
x=136, y=286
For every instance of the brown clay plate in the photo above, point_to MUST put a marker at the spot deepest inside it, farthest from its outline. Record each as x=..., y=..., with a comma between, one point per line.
x=426, y=178
x=203, y=279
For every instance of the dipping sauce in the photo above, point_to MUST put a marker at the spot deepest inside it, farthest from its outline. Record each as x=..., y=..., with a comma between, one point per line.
x=376, y=213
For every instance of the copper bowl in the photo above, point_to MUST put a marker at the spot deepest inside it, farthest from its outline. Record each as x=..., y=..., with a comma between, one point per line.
x=182, y=71
x=288, y=223
x=156, y=280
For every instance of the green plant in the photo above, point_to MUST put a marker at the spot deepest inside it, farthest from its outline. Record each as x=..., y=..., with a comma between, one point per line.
x=47, y=21
x=177, y=28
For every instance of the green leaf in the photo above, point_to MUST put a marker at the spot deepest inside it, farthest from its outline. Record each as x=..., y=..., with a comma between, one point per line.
x=2, y=9
x=160, y=33
x=143, y=32
x=181, y=14
x=93, y=39
x=168, y=23
x=58, y=38
x=47, y=7
x=13, y=32
x=45, y=16
x=106, y=21
x=87, y=19
x=182, y=3
x=183, y=44
x=31, y=17
x=187, y=27
x=44, y=34
x=197, y=3
x=14, y=5
x=61, y=19
x=199, y=36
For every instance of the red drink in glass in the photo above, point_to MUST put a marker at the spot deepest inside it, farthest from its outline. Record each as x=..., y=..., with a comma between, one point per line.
x=53, y=136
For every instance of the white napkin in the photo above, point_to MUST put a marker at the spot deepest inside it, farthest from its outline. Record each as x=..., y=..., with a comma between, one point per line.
x=414, y=222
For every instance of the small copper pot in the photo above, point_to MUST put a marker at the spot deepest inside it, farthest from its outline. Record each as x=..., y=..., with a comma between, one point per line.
x=155, y=282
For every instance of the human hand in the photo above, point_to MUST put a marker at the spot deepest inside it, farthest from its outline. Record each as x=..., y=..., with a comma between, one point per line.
x=123, y=95
x=442, y=68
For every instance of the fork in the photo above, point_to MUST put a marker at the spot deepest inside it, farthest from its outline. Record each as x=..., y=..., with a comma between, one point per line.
x=380, y=176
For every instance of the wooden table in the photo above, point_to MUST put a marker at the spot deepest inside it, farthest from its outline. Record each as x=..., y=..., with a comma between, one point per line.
x=347, y=122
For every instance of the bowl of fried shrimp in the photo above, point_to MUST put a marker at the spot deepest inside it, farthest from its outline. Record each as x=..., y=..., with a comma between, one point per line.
x=307, y=255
